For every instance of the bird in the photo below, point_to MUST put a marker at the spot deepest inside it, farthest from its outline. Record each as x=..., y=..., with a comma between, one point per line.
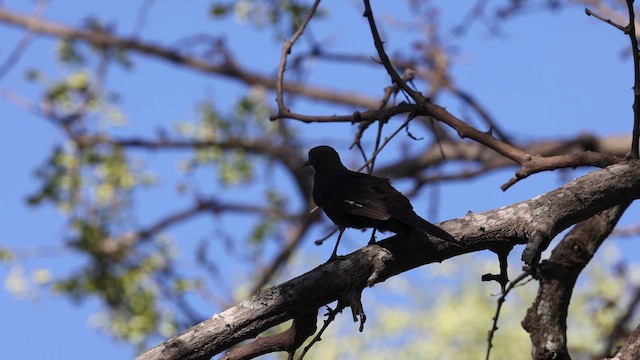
x=357, y=200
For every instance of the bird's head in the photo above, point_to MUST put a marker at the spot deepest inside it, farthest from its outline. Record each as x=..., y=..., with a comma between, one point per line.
x=324, y=158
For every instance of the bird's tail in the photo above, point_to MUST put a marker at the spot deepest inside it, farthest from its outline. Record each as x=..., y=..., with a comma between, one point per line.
x=430, y=229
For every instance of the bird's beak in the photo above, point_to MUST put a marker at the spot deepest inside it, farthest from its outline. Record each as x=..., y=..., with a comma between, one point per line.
x=307, y=163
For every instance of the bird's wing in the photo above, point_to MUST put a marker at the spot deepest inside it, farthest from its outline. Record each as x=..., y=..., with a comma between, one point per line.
x=356, y=195
x=366, y=208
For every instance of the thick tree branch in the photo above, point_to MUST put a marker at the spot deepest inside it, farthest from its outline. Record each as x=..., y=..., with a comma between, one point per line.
x=542, y=217
x=546, y=320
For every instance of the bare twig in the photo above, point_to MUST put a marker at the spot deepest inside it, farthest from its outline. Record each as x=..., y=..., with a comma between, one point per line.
x=364, y=125
x=384, y=59
x=23, y=44
x=109, y=246
x=331, y=316
x=326, y=237
x=174, y=56
x=356, y=117
x=16, y=53
x=487, y=159
x=286, y=50
x=426, y=107
x=631, y=32
x=20, y=101
x=536, y=164
x=141, y=18
x=590, y=12
x=285, y=252
x=386, y=141
x=500, y=301
x=468, y=99
x=376, y=146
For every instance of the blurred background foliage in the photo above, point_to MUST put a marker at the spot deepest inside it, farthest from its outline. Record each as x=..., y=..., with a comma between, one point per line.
x=121, y=192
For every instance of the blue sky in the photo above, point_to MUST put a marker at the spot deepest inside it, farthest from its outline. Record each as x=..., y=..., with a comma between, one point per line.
x=548, y=75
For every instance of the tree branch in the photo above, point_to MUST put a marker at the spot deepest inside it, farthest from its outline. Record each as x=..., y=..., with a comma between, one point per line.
x=542, y=217
x=304, y=325
x=629, y=350
x=546, y=319
x=286, y=50
x=227, y=68
x=614, y=146
x=631, y=32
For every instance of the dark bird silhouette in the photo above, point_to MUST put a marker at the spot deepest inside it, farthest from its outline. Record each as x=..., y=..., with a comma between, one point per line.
x=357, y=200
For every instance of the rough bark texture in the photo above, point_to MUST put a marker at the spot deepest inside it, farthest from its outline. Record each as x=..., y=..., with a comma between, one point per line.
x=546, y=320
x=534, y=222
x=630, y=350
x=303, y=326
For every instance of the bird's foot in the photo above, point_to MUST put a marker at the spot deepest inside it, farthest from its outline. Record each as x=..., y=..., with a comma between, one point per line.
x=373, y=237
x=333, y=257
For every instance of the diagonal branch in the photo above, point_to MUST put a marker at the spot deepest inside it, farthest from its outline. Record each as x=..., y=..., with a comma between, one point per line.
x=438, y=112
x=227, y=68
x=267, y=273
x=542, y=217
x=529, y=163
x=384, y=59
x=471, y=152
x=210, y=205
x=619, y=330
x=14, y=56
